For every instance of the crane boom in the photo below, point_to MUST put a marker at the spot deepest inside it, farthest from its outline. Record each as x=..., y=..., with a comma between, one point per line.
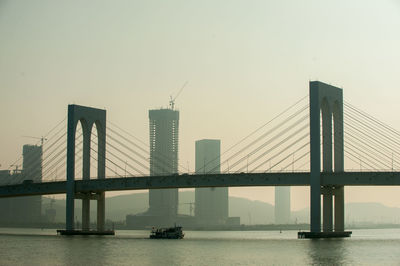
x=42, y=139
x=172, y=101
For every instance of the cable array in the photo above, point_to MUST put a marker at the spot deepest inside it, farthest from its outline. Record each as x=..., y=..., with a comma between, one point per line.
x=369, y=144
x=281, y=144
x=275, y=146
x=53, y=158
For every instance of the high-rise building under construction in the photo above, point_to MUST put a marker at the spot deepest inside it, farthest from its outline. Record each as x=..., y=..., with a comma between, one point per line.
x=23, y=211
x=164, y=138
x=211, y=204
x=32, y=170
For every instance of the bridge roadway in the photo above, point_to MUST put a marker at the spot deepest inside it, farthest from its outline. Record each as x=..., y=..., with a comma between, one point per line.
x=203, y=180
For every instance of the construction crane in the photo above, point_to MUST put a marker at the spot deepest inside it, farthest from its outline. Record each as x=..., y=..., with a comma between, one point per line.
x=172, y=101
x=16, y=168
x=42, y=139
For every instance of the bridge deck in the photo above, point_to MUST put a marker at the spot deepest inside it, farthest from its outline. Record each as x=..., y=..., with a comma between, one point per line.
x=206, y=180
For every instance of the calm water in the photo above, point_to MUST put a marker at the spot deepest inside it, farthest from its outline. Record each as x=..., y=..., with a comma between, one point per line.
x=44, y=247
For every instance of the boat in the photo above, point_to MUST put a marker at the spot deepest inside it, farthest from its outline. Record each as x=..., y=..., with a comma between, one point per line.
x=167, y=233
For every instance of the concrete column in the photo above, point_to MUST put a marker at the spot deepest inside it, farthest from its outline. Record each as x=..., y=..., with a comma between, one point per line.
x=339, y=162
x=327, y=138
x=101, y=203
x=101, y=172
x=327, y=165
x=315, y=159
x=86, y=214
x=70, y=206
x=339, y=209
x=86, y=176
x=101, y=162
x=327, y=211
x=338, y=136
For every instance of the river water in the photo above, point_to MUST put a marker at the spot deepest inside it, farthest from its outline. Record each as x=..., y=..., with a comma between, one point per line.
x=130, y=247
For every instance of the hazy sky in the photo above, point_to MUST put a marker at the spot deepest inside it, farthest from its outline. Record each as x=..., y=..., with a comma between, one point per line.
x=245, y=62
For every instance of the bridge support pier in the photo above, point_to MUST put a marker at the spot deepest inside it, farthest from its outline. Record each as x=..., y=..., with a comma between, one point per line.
x=101, y=213
x=315, y=161
x=339, y=164
x=327, y=164
x=339, y=209
x=87, y=117
x=328, y=100
x=327, y=210
x=86, y=214
x=86, y=176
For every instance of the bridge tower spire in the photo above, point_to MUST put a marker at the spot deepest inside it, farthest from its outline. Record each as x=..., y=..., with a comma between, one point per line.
x=326, y=100
x=88, y=117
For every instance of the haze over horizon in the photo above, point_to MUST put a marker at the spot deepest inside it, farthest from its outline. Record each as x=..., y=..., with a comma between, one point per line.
x=245, y=61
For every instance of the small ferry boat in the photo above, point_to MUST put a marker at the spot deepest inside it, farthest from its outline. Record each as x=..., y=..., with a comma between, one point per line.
x=167, y=233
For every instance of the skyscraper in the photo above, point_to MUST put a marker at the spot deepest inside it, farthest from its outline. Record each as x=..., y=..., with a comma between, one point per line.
x=31, y=207
x=164, y=137
x=282, y=205
x=32, y=162
x=24, y=211
x=211, y=204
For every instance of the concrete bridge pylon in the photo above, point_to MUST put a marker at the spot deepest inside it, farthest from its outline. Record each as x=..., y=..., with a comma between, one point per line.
x=88, y=117
x=326, y=102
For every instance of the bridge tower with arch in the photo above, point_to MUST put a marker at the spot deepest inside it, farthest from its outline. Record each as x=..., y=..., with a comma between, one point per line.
x=88, y=117
x=326, y=102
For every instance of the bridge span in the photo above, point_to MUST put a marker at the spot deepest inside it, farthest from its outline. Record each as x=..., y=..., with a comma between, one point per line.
x=95, y=186
x=327, y=176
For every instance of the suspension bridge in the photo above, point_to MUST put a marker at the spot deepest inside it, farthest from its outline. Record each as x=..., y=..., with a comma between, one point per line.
x=307, y=144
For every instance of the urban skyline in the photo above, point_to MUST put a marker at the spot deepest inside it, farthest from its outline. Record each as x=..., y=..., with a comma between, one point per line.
x=288, y=129
x=235, y=73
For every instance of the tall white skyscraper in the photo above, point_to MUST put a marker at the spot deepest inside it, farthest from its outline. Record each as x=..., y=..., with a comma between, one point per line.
x=164, y=138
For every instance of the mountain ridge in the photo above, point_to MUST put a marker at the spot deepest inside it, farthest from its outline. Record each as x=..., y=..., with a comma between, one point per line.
x=250, y=211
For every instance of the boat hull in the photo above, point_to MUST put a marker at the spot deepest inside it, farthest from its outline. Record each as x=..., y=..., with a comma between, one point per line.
x=167, y=233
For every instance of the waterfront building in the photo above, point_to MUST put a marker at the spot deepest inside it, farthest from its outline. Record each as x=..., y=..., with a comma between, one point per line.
x=23, y=211
x=164, y=139
x=211, y=204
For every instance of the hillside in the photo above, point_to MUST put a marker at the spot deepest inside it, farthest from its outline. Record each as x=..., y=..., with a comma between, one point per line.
x=250, y=212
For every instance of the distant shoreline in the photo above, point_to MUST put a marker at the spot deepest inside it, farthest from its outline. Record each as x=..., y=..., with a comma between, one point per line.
x=259, y=227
